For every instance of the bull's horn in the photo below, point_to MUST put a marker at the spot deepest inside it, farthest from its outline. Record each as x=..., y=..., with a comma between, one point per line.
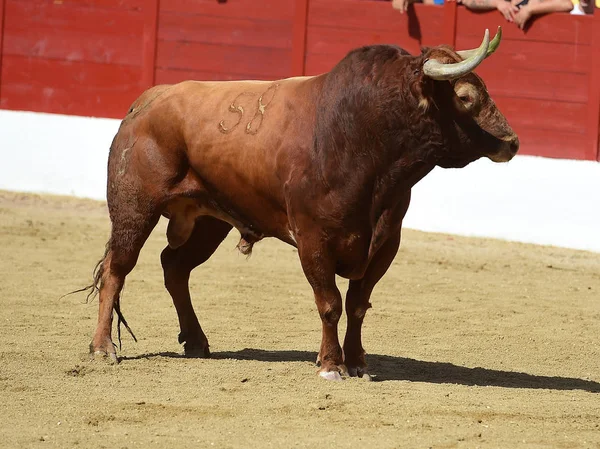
x=439, y=71
x=491, y=49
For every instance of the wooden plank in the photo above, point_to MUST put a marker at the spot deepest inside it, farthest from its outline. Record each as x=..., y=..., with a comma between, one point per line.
x=256, y=61
x=522, y=83
x=67, y=87
x=299, y=37
x=321, y=63
x=123, y=5
x=536, y=55
x=593, y=122
x=239, y=9
x=2, y=9
x=360, y=14
x=230, y=31
x=337, y=42
x=555, y=27
x=170, y=76
x=450, y=18
x=551, y=143
x=149, y=43
x=331, y=36
x=543, y=114
x=74, y=33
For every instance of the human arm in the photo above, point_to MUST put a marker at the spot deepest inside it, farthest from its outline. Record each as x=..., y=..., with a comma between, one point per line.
x=507, y=9
x=536, y=7
x=401, y=5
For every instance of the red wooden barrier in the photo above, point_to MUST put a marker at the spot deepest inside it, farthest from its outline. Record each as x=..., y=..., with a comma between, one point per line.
x=2, y=5
x=73, y=57
x=149, y=43
x=593, y=123
x=203, y=39
x=335, y=27
x=299, y=37
x=94, y=57
x=450, y=11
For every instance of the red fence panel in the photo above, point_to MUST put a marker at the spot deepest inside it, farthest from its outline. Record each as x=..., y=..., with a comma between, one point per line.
x=593, y=122
x=73, y=57
x=299, y=37
x=203, y=39
x=336, y=27
x=2, y=6
x=149, y=43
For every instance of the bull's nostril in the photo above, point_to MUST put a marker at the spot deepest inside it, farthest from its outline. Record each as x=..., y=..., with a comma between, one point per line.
x=514, y=145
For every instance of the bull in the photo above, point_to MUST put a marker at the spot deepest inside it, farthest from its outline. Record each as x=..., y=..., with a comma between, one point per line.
x=324, y=163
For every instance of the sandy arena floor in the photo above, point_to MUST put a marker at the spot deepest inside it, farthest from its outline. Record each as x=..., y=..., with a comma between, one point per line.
x=474, y=343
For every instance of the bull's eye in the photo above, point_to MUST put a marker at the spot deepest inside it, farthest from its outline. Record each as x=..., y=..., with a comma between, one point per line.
x=467, y=101
x=466, y=97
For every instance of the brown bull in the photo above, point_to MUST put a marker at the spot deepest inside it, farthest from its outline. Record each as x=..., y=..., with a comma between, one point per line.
x=324, y=163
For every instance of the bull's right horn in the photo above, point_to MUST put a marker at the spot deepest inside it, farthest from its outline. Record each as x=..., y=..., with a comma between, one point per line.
x=491, y=49
x=439, y=71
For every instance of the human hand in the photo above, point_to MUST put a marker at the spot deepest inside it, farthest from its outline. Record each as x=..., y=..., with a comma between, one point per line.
x=508, y=10
x=587, y=6
x=400, y=5
x=522, y=16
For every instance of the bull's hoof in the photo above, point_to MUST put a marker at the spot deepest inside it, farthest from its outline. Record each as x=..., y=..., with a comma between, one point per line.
x=331, y=375
x=109, y=357
x=103, y=350
x=359, y=371
x=333, y=372
x=200, y=351
x=195, y=344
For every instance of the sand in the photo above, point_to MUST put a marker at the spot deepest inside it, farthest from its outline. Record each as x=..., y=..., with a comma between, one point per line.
x=473, y=343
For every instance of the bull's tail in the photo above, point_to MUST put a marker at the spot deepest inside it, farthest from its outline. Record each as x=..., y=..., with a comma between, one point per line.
x=94, y=289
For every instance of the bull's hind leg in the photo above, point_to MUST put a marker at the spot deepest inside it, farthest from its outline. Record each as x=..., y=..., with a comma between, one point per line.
x=177, y=264
x=130, y=229
x=357, y=304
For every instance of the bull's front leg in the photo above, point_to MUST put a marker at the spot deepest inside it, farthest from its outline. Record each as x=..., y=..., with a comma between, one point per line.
x=357, y=304
x=319, y=268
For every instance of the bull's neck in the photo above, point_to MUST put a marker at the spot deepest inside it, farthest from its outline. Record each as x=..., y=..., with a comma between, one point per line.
x=371, y=135
x=398, y=166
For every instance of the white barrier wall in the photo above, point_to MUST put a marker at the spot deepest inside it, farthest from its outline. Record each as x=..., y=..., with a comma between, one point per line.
x=529, y=199
x=51, y=153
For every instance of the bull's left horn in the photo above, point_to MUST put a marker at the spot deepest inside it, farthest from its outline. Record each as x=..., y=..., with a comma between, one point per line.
x=495, y=42
x=439, y=71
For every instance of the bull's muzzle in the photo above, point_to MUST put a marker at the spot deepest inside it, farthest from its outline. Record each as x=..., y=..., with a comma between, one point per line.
x=508, y=148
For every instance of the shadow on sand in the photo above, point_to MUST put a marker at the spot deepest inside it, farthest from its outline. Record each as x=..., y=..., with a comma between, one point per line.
x=390, y=368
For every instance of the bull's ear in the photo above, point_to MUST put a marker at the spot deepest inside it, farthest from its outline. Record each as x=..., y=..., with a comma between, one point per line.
x=425, y=50
x=422, y=88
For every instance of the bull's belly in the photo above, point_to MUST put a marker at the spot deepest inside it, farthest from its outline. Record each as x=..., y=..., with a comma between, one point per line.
x=183, y=213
